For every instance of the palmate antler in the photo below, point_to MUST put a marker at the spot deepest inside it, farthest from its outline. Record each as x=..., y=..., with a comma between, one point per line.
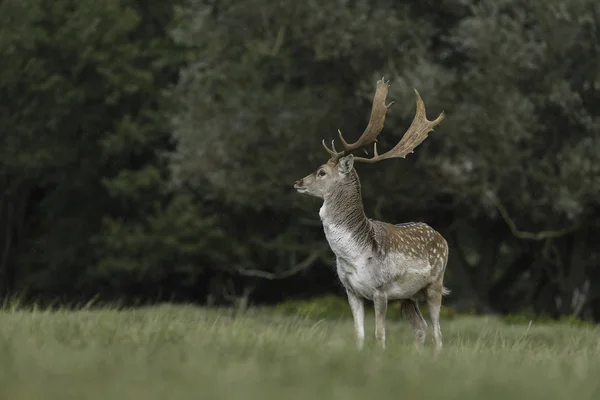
x=416, y=133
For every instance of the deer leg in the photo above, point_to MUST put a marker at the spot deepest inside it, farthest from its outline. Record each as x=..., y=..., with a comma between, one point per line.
x=434, y=302
x=357, y=306
x=380, y=303
x=410, y=309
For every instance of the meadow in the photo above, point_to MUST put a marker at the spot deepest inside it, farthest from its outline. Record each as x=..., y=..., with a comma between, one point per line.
x=180, y=352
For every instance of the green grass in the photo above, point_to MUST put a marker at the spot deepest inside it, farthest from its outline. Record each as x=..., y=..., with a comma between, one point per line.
x=175, y=352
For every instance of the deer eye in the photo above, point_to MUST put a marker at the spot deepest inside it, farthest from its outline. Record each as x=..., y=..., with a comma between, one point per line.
x=321, y=173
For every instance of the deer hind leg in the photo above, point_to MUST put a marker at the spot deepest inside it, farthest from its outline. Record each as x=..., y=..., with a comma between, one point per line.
x=380, y=303
x=434, y=302
x=410, y=310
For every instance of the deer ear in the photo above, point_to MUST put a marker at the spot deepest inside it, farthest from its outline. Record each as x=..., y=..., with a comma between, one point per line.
x=346, y=164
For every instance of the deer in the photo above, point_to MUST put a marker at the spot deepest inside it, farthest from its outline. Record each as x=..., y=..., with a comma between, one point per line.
x=375, y=260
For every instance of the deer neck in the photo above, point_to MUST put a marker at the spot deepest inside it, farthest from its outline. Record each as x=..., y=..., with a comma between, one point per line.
x=344, y=221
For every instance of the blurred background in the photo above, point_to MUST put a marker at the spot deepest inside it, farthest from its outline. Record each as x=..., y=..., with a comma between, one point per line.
x=148, y=149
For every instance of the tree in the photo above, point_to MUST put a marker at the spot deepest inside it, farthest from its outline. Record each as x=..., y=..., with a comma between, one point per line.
x=280, y=78
x=84, y=150
x=276, y=78
x=522, y=143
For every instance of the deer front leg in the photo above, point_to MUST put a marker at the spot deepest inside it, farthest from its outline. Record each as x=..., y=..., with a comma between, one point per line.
x=380, y=303
x=357, y=306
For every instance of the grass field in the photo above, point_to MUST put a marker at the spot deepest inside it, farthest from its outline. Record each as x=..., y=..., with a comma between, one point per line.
x=177, y=352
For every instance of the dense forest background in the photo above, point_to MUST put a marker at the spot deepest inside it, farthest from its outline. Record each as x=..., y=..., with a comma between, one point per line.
x=148, y=149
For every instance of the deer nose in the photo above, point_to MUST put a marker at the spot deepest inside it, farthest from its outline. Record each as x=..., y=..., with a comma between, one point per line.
x=298, y=183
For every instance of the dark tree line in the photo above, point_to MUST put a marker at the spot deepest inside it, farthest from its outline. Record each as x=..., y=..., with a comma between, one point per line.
x=148, y=152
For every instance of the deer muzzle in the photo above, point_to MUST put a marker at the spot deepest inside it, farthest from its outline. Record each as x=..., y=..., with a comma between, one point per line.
x=299, y=186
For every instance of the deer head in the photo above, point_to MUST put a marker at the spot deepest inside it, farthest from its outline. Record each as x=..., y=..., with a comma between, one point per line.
x=339, y=168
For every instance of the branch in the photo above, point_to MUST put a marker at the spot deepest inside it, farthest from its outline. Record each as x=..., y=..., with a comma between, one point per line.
x=541, y=235
x=301, y=266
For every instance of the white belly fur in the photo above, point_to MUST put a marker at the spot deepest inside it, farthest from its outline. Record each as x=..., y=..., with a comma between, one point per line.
x=396, y=280
x=411, y=282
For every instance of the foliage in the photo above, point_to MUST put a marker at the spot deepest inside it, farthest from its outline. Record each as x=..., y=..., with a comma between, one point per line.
x=501, y=162
x=521, y=158
x=148, y=151
x=84, y=150
x=277, y=79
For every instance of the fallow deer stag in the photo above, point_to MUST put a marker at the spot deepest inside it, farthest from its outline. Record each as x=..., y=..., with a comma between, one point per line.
x=376, y=260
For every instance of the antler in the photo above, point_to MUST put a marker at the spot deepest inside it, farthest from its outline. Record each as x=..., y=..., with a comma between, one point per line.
x=374, y=127
x=414, y=136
